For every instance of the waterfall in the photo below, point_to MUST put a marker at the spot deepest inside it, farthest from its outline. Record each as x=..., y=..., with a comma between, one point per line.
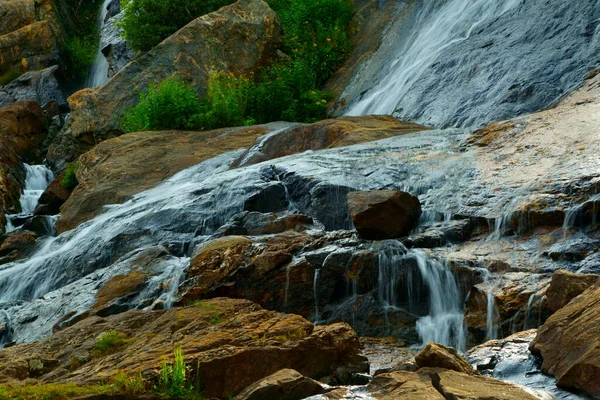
x=439, y=27
x=98, y=73
x=37, y=179
x=445, y=322
x=492, y=316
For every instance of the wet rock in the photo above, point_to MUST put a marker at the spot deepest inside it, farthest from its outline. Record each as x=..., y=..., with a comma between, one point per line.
x=435, y=355
x=15, y=245
x=572, y=250
x=53, y=197
x=343, y=131
x=235, y=39
x=403, y=385
x=40, y=86
x=118, y=51
x=383, y=214
x=565, y=286
x=285, y=384
x=256, y=223
x=568, y=343
x=40, y=225
x=229, y=344
x=454, y=385
x=118, y=168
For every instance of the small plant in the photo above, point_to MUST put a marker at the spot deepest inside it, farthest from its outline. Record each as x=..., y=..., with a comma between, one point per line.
x=109, y=342
x=129, y=384
x=173, y=381
x=170, y=105
x=293, y=336
x=69, y=181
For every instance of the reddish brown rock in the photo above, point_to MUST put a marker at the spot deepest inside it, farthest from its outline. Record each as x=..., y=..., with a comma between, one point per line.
x=53, y=197
x=383, y=214
x=565, y=286
x=569, y=343
x=285, y=384
x=436, y=355
x=230, y=343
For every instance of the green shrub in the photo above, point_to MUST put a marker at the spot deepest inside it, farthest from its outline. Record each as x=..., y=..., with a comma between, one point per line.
x=226, y=101
x=170, y=105
x=79, y=54
x=9, y=75
x=109, y=342
x=69, y=181
x=147, y=22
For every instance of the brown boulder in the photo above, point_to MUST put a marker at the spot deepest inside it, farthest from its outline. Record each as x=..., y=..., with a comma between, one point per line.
x=565, y=286
x=403, y=385
x=454, y=385
x=569, y=343
x=436, y=355
x=383, y=214
x=330, y=133
x=53, y=197
x=235, y=39
x=228, y=344
x=285, y=384
x=118, y=168
x=16, y=14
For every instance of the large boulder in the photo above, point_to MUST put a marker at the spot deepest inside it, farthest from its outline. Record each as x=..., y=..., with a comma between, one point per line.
x=22, y=126
x=116, y=49
x=565, y=286
x=29, y=35
x=118, y=168
x=228, y=345
x=40, y=86
x=330, y=133
x=570, y=345
x=285, y=384
x=436, y=355
x=383, y=214
x=235, y=39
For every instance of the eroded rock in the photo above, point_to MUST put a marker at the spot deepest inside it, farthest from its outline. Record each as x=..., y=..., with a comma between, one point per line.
x=565, y=286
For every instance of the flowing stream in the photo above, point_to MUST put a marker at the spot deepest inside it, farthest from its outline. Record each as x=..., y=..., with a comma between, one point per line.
x=98, y=73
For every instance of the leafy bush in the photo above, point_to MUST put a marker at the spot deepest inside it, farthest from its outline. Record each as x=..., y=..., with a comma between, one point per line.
x=316, y=43
x=147, y=22
x=170, y=105
x=79, y=54
x=69, y=181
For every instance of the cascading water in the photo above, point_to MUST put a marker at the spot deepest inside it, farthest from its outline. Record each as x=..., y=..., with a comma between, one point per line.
x=37, y=179
x=98, y=73
x=440, y=27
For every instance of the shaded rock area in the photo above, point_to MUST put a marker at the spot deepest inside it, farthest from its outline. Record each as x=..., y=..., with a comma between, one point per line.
x=29, y=35
x=22, y=127
x=568, y=343
x=53, y=197
x=565, y=286
x=285, y=384
x=383, y=214
x=41, y=86
x=231, y=343
x=235, y=39
x=330, y=133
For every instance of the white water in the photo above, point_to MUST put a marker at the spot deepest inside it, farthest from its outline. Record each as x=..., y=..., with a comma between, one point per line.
x=37, y=179
x=437, y=28
x=98, y=73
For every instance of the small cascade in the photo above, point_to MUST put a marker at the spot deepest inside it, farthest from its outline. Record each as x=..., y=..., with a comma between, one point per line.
x=445, y=322
x=98, y=73
x=5, y=328
x=534, y=306
x=316, y=294
x=574, y=215
x=37, y=179
x=492, y=316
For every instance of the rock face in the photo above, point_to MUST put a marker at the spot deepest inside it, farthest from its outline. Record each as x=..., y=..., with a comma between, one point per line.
x=343, y=131
x=569, y=343
x=565, y=286
x=29, y=35
x=230, y=343
x=436, y=355
x=285, y=384
x=383, y=214
x=235, y=39
x=437, y=383
x=117, y=50
x=40, y=86
x=53, y=197
x=22, y=126
x=116, y=169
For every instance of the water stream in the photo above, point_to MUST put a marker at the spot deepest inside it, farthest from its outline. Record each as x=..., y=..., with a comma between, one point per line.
x=98, y=72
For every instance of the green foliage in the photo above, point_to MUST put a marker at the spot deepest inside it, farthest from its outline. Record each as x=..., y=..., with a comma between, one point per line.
x=173, y=380
x=78, y=54
x=109, y=342
x=170, y=105
x=9, y=75
x=69, y=181
x=316, y=43
x=50, y=391
x=147, y=22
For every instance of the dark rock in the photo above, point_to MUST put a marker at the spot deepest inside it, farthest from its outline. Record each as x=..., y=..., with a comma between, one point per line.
x=53, y=197
x=285, y=384
x=40, y=86
x=384, y=214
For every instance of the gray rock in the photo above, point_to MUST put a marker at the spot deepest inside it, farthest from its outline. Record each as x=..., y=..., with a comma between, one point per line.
x=116, y=49
x=40, y=86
